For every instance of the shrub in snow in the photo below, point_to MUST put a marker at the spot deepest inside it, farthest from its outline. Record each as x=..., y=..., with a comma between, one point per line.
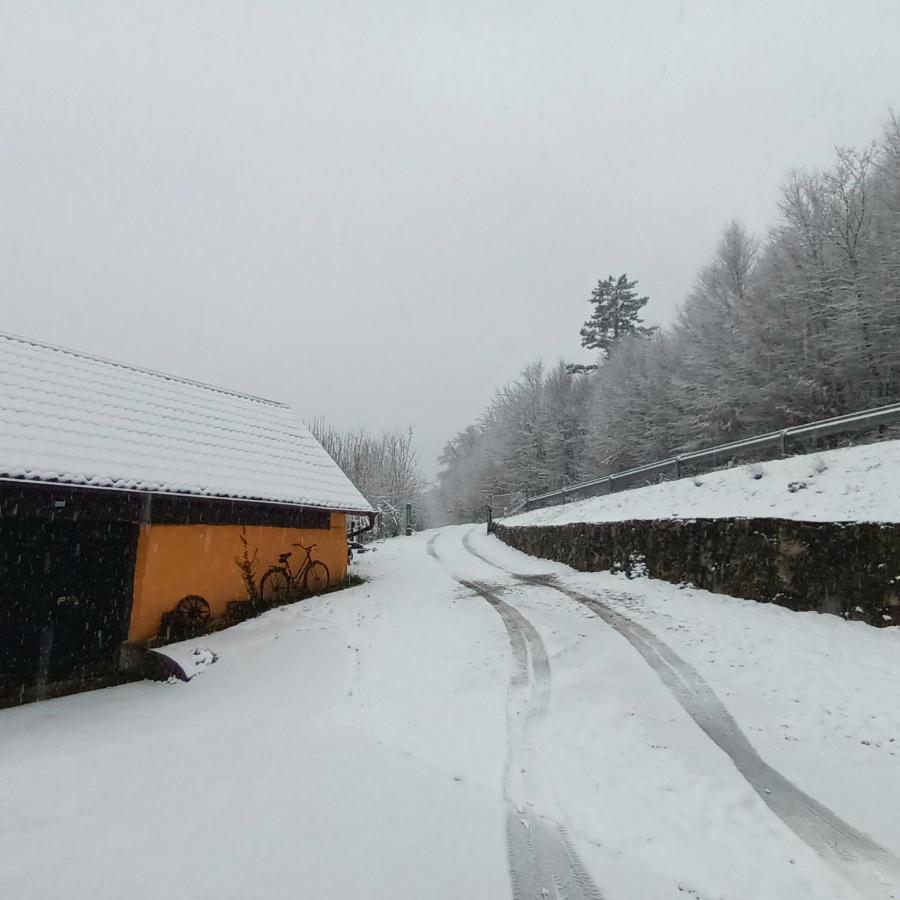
x=248, y=565
x=633, y=567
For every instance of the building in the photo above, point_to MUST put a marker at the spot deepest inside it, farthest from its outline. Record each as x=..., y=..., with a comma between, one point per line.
x=124, y=491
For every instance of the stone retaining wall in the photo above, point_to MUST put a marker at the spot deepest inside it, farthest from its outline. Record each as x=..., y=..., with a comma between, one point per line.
x=846, y=568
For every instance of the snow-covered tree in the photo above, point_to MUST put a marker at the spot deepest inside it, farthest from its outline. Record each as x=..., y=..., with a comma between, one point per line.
x=801, y=325
x=710, y=332
x=617, y=313
x=383, y=466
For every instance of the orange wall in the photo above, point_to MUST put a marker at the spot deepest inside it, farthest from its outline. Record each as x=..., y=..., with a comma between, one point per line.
x=175, y=560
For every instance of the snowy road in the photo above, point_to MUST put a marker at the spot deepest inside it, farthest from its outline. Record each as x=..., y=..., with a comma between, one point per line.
x=471, y=723
x=542, y=861
x=860, y=858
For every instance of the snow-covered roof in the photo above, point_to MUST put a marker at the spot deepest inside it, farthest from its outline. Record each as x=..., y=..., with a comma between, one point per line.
x=71, y=418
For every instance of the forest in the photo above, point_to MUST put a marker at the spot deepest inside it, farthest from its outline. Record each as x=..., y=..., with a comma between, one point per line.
x=798, y=324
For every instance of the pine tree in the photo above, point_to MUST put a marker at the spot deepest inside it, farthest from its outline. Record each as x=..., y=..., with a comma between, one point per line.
x=617, y=313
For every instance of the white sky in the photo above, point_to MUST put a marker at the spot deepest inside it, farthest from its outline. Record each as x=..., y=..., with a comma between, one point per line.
x=380, y=211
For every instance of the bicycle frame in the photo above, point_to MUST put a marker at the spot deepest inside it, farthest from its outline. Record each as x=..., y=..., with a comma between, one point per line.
x=295, y=577
x=293, y=582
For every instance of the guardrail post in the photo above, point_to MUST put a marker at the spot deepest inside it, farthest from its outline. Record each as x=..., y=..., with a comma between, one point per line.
x=678, y=467
x=782, y=443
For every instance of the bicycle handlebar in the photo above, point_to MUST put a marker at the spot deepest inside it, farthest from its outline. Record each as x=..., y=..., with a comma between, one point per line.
x=308, y=549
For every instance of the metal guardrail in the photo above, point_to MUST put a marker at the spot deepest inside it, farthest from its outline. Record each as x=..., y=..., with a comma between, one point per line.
x=784, y=441
x=507, y=504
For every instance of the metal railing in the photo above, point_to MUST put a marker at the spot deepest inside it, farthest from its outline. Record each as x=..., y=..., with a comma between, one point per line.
x=783, y=442
x=507, y=504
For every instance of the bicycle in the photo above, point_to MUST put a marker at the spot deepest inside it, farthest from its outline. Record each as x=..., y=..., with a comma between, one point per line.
x=280, y=584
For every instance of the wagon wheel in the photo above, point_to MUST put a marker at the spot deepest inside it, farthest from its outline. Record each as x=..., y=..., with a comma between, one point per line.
x=192, y=612
x=316, y=578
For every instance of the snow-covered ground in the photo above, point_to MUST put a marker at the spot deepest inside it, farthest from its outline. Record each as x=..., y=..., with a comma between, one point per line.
x=853, y=484
x=328, y=753
x=388, y=740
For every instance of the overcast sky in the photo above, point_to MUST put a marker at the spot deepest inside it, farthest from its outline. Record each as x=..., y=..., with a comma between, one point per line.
x=379, y=211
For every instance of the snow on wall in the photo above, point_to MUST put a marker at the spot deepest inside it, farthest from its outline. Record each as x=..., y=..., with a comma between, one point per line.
x=855, y=484
x=72, y=418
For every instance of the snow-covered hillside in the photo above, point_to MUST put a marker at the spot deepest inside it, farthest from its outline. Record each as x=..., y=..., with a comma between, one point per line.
x=855, y=484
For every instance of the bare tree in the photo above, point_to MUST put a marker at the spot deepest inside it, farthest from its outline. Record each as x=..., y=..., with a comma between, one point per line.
x=384, y=467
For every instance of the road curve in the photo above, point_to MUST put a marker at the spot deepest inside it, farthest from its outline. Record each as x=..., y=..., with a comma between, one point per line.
x=856, y=856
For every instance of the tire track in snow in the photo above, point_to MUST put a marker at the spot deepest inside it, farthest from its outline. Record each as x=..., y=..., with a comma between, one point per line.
x=856, y=856
x=542, y=861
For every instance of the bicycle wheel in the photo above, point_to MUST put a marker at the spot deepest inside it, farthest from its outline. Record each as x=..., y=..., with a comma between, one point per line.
x=275, y=587
x=316, y=578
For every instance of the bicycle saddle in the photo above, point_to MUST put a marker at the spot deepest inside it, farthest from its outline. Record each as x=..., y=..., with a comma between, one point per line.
x=284, y=557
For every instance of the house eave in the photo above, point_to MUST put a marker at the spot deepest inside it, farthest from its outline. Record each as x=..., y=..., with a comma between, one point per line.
x=62, y=500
